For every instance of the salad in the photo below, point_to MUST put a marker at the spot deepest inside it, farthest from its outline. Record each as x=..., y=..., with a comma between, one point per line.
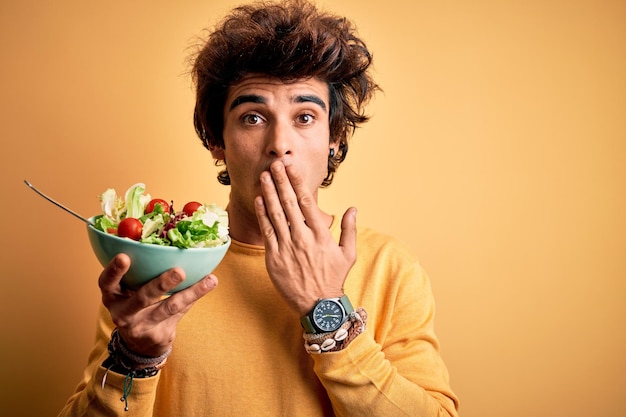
x=140, y=217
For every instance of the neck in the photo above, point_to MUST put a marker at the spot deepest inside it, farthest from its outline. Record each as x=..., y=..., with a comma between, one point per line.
x=243, y=225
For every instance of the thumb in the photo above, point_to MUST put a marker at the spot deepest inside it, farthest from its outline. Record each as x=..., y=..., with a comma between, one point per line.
x=347, y=240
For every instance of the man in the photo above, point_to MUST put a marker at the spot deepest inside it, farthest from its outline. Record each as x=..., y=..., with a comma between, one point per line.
x=280, y=88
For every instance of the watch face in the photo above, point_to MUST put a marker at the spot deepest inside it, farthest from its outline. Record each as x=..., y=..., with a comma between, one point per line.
x=328, y=315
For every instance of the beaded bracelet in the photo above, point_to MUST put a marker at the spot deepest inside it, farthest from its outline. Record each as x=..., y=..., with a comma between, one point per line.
x=122, y=361
x=316, y=343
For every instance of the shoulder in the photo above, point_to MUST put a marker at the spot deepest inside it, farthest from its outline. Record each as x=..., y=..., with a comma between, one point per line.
x=373, y=244
x=382, y=258
x=388, y=277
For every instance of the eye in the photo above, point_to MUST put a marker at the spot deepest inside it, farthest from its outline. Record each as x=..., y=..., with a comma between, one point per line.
x=251, y=119
x=305, y=118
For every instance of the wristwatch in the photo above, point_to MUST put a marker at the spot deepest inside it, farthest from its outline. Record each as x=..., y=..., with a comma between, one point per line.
x=327, y=315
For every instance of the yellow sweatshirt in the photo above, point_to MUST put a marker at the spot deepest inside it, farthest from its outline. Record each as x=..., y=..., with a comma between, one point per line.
x=239, y=351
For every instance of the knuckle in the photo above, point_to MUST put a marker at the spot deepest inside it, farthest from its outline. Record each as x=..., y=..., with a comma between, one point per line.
x=268, y=232
x=277, y=215
x=173, y=307
x=306, y=200
x=143, y=299
x=161, y=286
x=280, y=179
x=289, y=203
x=300, y=243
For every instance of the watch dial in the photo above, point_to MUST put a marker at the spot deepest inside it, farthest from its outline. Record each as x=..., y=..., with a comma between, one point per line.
x=328, y=315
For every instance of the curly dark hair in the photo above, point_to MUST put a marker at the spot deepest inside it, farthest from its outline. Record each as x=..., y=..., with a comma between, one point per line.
x=288, y=40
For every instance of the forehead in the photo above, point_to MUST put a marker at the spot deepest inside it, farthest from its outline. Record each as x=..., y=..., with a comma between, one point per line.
x=266, y=89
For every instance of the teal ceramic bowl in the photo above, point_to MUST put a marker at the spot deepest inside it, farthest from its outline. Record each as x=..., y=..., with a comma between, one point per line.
x=149, y=261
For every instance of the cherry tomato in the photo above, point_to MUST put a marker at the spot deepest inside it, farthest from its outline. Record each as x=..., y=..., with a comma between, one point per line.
x=154, y=202
x=130, y=228
x=191, y=208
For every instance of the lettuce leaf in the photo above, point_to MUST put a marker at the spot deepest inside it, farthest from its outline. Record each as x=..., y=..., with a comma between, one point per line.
x=136, y=201
x=194, y=234
x=105, y=223
x=113, y=207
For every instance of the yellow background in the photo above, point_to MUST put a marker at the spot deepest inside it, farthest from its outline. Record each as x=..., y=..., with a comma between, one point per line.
x=496, y=152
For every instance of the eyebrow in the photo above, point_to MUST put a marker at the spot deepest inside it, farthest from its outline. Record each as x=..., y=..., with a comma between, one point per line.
x=247, y=98
x=253, y=98
x=311, y=99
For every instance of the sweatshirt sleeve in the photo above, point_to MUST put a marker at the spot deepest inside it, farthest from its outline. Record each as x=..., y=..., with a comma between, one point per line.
x=393, y=368
x=94, y=398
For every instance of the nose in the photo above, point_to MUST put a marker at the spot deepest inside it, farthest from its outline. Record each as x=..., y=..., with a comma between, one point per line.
x=279, y=140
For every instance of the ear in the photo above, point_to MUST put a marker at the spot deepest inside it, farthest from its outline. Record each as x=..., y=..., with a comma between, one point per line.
x=334, y=143
x=217, y=152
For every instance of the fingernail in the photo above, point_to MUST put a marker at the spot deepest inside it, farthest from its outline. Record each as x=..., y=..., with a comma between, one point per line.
x=277, y=167
x=210, y=282
x=176, y=276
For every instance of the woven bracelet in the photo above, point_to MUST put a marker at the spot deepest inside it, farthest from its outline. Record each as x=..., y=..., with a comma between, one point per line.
x=119, y=346
x=122, y=361
x=340, y=338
